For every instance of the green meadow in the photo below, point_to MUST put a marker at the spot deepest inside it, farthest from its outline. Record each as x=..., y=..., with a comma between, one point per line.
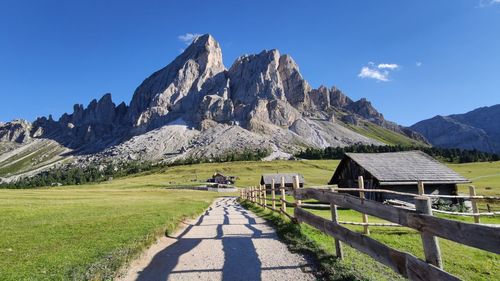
x=90, y=231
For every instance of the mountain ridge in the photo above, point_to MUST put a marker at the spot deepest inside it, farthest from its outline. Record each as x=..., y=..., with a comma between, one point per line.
x=195, y=107
x=477, y=129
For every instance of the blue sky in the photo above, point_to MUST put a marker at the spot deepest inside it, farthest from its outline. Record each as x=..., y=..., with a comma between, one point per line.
x=412, y=59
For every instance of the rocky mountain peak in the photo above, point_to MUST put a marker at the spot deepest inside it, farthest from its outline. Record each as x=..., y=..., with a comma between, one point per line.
x=173, y=89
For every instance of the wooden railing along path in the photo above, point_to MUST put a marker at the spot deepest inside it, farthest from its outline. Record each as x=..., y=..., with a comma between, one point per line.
x=421, y=219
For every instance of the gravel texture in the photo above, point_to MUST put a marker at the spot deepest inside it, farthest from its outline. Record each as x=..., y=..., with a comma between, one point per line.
x=226, y=243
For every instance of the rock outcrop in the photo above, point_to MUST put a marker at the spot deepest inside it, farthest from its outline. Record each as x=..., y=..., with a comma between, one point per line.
x=18, y=131
x=100, y=122
x=478, y=129
x=195, y=107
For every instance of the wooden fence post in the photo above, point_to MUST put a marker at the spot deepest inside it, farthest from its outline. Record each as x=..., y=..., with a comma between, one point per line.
x=335, y=219
x=252, y=192
x=283, y=195
x=361, y=185
x=430, y=242
x=421, y=190
x=273, y=195
x=296, y=185
x=475, y=210
x=260, y=194
x=264, y=196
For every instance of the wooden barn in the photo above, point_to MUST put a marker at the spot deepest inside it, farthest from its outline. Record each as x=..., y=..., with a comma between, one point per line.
x=222, y=179
x=267, y=179
x=398, y=171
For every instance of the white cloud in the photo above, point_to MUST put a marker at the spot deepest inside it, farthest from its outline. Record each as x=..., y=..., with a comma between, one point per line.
x=378, y=72
x=486, y=3
x=388, y=66
x=367, y=72
x=188, y=37
x=418, y=63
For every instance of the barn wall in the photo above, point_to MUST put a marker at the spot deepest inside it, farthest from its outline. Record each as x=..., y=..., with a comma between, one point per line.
x=348, y=178
x=443, y=189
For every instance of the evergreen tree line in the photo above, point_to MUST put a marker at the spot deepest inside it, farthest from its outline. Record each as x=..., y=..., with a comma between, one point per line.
x=76, y=175
x=452, y=155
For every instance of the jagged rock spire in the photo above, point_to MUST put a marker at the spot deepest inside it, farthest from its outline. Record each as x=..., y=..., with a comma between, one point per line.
x=164, y=91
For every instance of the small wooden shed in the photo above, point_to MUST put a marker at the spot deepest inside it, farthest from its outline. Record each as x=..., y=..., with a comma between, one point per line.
x=267, y=179
x=398, y=171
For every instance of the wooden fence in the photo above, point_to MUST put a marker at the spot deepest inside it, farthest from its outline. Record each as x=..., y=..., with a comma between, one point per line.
x=475, y=235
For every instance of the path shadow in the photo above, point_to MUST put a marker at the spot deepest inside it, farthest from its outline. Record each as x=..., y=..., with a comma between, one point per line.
x=241, y=261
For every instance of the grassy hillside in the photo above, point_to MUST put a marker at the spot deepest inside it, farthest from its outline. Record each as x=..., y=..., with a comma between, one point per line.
x=383, y=135
x=484, y=175
x=34, y=156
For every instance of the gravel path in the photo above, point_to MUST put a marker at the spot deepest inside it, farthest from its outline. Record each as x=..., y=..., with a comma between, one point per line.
x=226, y=243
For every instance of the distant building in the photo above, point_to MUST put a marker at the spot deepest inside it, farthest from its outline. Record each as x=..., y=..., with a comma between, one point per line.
x=267, y=179
x=397, y=171
x=222, y=179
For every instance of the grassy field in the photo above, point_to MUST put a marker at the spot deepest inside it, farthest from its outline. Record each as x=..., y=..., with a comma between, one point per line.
x=85, y=233
x=81, y=232
x=316, y=172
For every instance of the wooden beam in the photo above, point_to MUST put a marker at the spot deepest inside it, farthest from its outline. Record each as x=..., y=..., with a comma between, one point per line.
x=474, y=235
x=361, y=185
x=430, y=242
x=335, y=219
x=296, y=186
x=264, y=195
x=273, y=195
x=475, y=210
x=421, y=190
x=403, y=263
x=283, y=195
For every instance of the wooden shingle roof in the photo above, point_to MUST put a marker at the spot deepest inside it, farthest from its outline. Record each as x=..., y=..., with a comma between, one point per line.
x=395, y=168
x=268, y=178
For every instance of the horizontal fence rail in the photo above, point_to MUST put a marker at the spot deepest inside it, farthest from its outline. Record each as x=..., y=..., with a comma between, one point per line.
x=418, y=216
x=405, y=264
x=479, y=236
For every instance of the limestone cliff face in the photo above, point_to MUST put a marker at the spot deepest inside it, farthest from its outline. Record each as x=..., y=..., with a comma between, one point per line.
x=99, y=121
x=15, y=131
x=268, y=88
x=176, y=89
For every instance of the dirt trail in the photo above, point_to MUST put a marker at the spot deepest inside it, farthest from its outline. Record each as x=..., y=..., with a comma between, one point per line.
x=226, y=243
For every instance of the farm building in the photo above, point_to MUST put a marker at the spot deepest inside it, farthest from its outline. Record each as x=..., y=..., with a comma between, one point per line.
x=267, y=179
x=397, y=171
x=222, y=179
